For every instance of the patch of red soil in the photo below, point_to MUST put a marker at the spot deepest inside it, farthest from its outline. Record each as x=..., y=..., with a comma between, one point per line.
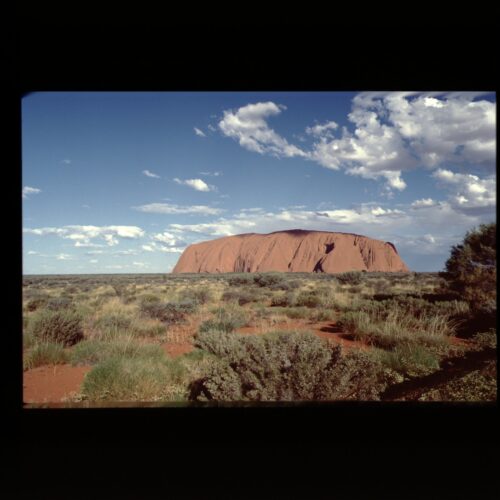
x=175, y=350
x=52, y=384
x=180, y=338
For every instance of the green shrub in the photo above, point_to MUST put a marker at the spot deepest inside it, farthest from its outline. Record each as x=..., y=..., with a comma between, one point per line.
x=242, y=297
x=137, y=379
x=59, y=304
x=297, y=312
x=90, y=352
x=350, y=278
x=57, y=326
x=200, y=295
x=323, y=315
x=470, y=271
x=224, y=321
x=284, y=366
x=283, y=300
x=410, y=359
x=486, y=339
x=168, y=312
x=270, y=280
x=240, y=280
x=114, y=324
x=36, y=303
x=45, y=353
x=308, y=299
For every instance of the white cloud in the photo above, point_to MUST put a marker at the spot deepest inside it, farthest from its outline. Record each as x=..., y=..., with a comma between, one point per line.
x=159, y=247
x=211, y=174
x=150, y=174
x=140, y=264
x=82, y=235
x=249, y=127
x=66, y=161
x=87, y=244
x=393, y=132
x=197, y=184
x=126, y=252
x=94, y=252
x=424, y=202
x=93, y=261
x=33, y=252
x=322, y=130
x=63, y=256
x=168, y=208
x=114, y=266
x=199, y=132
x=469, y=193
x=167, y=238
x=27, y=190
x=365, y=217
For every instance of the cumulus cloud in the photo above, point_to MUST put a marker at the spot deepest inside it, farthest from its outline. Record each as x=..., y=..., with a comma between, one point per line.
x=197, y=184
x=424, y=202
x=147, y=173
x=363, y=217
x=322, y=130
x=469, y=193
x=167, y=238
x=82, y=235
x=159, y=247
x=249, y=127
x=169, y=208
x=27, y=190
x=392, y=133
x=199, y=132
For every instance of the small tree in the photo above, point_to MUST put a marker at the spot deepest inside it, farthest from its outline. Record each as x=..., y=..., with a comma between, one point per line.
x=471, y=268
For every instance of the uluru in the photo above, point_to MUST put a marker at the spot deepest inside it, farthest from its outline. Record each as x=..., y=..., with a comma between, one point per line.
x=295, y=250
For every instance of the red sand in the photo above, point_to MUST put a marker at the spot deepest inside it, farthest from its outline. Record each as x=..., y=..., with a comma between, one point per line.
x=291, y=251
x=51, y=384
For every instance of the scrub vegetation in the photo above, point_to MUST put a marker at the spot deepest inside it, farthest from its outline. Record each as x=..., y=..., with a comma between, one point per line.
x=273, y=336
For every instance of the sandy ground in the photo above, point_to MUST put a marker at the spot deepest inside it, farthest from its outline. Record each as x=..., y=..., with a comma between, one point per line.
x=52, y=384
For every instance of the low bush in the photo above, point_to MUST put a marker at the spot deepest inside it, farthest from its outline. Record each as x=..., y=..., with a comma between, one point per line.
x=486, y=339
x=283, y=300
x=270, y=280
x=59, y=304
x=350, y=278
x=323, y=315
x=284, y=366
x=240, y=280
x=200, y=295
x=297, y=312
x=36, y=303
x=90, y=352
x=136, y=379
x=64, y=326
x=170, y=313
x=241, y=297
x=45, y=353
x=225, y=320
x=410, y=359
x=112, y=325
x=308, y=299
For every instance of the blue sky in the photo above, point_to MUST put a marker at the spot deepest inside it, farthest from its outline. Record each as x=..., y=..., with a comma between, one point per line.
x=123, y=182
